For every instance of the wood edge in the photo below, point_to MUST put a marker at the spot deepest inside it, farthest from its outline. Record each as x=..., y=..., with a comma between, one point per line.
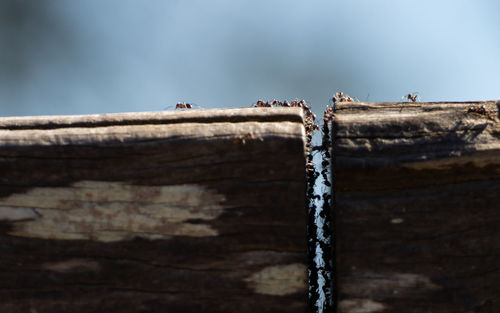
x=382, y=105
x=121, y=135
x=159, y=117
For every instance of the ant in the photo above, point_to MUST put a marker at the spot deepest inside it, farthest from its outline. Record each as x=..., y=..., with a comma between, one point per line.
x=310, y=167
x=341, y=97
x=329, y=114
x=262, y=104
x=413, y=97
x=482, y=111
x=182, y=105
x=276, y=103
x=299, y=104
x=242, y=139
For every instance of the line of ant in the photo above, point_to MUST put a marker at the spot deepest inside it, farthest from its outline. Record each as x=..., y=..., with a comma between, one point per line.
x=310, y=117
x=342, y=97
x=326, y=195
x=481, y=110
x=337, y=97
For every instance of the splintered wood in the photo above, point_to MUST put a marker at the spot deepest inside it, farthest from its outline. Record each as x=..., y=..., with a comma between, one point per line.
x=417, y=210
x=196, y=211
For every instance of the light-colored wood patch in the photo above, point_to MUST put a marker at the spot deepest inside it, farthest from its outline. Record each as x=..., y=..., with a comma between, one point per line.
x=279, y=280
x=8, y=213
x=112, y=211
x=360, y=306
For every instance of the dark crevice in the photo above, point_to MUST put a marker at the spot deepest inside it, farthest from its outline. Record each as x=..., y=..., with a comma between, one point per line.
x=319, y=200
x=312, y=231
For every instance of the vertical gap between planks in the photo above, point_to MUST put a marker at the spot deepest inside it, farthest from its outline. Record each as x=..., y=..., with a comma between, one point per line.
x=319, y=201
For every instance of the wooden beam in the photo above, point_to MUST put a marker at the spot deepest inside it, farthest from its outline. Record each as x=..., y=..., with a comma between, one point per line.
x=192, y=211
x=417, y=190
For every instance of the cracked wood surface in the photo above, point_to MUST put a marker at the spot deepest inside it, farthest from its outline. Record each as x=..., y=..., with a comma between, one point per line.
x=417, y=213
x=192, y=211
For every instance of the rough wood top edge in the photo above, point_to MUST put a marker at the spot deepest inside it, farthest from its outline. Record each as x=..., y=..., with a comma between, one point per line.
x=160, y=117
x=121, y=134
x=348, y=106
x=415, y=121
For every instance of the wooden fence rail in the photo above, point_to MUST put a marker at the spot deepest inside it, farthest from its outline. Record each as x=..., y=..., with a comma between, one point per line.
x=199, y=211
x=417, y=207
x=203, y=211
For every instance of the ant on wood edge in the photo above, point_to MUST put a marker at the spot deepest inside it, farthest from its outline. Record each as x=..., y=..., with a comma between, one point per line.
x=413, y=97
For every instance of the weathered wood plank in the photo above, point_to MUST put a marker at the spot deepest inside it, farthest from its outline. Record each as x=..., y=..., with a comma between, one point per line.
x=196, y=211
x=417, y=220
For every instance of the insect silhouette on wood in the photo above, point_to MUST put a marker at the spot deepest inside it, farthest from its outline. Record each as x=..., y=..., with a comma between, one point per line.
x=183, y=105
x=341, y=97
x=276, y=103
x=310, y=167
x=411, y=97
x=243, y=138
x=262, y=104
x=481, y=110
x=303, y=104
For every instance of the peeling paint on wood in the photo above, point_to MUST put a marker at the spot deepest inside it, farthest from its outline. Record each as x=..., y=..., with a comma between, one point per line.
x=112, y=211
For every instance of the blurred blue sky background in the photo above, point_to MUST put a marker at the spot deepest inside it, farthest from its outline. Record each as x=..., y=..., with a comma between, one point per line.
x=98, y=56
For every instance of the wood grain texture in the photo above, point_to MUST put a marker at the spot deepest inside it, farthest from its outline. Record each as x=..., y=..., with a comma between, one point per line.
x=417, y=213
x=193, y=211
